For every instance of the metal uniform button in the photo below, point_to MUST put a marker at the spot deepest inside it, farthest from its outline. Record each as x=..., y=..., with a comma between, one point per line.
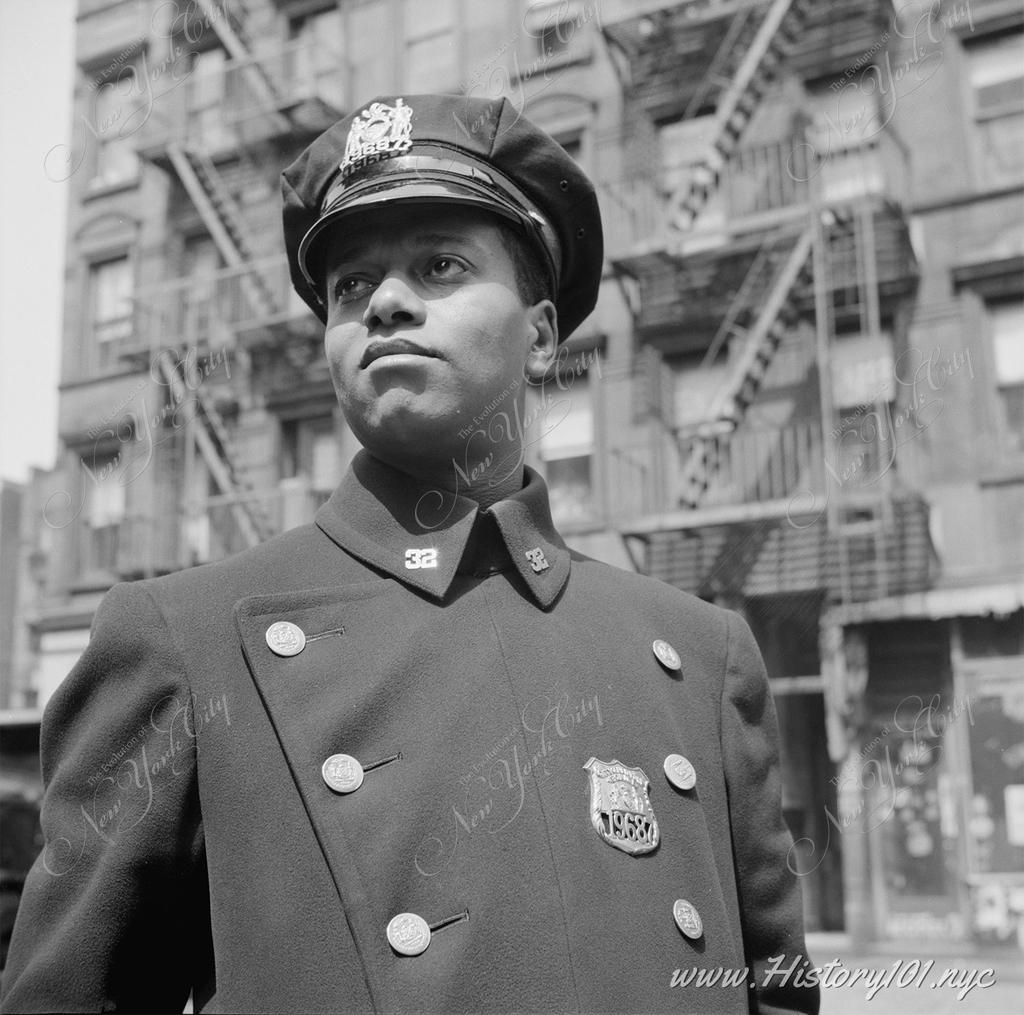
x=667, y=655
x=286, y=638
x=687, y=919
x=342, y=773
x=408, y=934
x=680, y=772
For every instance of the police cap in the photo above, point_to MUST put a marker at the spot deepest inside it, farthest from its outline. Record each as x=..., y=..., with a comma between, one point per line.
x=447, y=148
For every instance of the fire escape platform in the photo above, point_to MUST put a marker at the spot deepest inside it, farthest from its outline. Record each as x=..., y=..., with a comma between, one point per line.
x=685, y=520
x=259, y=97
x=936, y=604
x=710, y=244
x=671, y=49
x=772, y=550
x=221, y=310
x=687, y=292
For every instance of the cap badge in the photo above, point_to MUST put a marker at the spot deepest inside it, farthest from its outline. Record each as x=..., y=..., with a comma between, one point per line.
x=620, y=809
x=379, y=132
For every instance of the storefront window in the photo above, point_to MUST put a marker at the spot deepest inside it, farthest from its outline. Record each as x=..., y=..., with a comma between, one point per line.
x=996, y=818
x=913, y=814
x=915, y=854
x=990, y=668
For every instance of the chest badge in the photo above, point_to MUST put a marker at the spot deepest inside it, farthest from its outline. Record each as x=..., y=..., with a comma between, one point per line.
x=620, y=809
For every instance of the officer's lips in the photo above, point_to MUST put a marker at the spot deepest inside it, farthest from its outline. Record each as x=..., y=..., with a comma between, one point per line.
x=393, y=347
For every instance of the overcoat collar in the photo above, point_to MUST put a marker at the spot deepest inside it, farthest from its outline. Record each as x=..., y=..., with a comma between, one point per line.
x=392, y=520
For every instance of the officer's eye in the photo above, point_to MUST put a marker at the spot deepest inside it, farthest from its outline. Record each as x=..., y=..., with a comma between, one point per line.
x=445, y=267
x=352, y=287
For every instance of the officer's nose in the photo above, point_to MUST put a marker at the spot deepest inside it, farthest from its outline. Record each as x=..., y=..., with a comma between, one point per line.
x=393, y=302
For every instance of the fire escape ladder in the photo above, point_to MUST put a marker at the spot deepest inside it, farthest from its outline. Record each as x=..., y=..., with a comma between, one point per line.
x=737, y=556
x=736, y=107
x=863, y=522
x=257, y=79
x=719, y=73
x=731, y=401
x=736, y=395
x=224, y=222
x=755, y=283
x=215, y=446
x=863, y=530
x=230, y=38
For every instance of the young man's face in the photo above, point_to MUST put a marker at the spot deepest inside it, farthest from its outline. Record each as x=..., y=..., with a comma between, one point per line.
x=426, y=327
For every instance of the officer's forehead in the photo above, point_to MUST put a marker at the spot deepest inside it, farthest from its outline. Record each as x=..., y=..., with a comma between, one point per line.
x=403, y=225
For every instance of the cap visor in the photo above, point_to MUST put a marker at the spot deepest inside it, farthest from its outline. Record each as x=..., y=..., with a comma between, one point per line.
x=394, y=192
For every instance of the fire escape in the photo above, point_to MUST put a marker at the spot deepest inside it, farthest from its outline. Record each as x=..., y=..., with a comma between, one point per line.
x=806, y=241
x=267, y=96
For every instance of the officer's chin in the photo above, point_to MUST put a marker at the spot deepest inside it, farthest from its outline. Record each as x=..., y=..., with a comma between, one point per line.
x=407, y=424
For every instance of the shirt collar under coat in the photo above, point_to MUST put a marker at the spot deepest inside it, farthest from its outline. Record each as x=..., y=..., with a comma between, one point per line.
x=386, y=518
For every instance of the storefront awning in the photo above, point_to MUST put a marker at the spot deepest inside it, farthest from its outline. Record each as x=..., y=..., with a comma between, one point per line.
x=935, y=604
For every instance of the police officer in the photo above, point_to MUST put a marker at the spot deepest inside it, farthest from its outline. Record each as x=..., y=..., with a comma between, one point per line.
x=419, y=755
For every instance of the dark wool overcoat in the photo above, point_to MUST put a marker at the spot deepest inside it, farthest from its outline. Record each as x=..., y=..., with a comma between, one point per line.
x=194, y=844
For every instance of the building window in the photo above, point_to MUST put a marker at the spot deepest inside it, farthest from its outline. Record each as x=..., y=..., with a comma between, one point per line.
x=996, y=74
x=1008, y=341
x=684, y=147
x=214, y=96
x=859, y=445
x=114, y=105
x=202, y=318
x=431, y=50
x=104, y=514
x=310, y=449
x=110, y=294
x=567, y=450
x=372, y=66
x=554, y=39
x=315, y=68
x=560, y=30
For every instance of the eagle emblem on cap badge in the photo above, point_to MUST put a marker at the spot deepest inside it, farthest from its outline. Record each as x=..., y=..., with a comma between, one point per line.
x=620, y=809
x=378, y=132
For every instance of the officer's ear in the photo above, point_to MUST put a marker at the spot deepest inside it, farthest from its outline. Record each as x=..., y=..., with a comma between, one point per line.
x=543, y=318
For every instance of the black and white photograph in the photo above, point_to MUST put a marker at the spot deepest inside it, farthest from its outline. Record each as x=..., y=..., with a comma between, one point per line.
x=512, y=506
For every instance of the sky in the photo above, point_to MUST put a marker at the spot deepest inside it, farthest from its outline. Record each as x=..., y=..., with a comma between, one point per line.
x=36, y=81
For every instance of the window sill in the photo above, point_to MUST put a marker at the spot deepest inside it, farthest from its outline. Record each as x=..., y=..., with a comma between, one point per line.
x=541, y=65
x=95, y=375
x=98, y=187
x=93, y=581
x=1008, y=473
x=581, y=527
x=1005, y=111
